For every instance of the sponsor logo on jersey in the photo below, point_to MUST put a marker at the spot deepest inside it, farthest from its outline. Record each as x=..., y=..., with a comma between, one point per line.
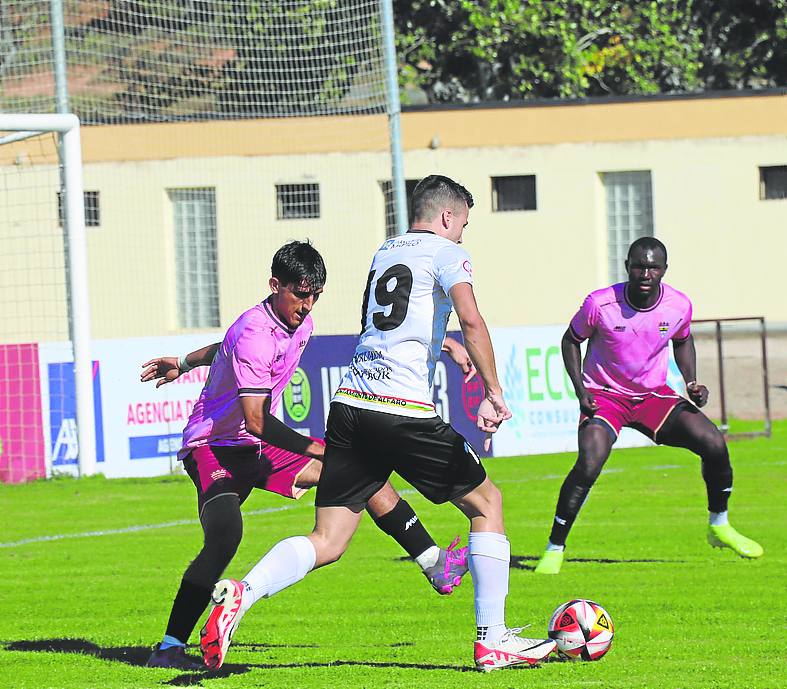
x=620, y=328
x=663, y=328
x=468, y=267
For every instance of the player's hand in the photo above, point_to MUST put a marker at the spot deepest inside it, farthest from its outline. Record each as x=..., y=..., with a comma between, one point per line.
x=491, y=413
x=697, y=393
x=163, y=369
x=316, y=449
x=587, y=403
x=456, y=350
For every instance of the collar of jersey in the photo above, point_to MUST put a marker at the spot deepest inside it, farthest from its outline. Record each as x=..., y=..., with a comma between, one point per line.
x=269, y=309
x=650, y=308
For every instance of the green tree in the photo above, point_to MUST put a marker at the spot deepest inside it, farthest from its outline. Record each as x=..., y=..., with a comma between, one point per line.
x=500, y=49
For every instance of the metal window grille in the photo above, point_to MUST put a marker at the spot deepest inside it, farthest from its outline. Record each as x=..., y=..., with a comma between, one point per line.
x=514, y=193
x=390, y=208
x=196, y=257
x=629, y=215
x=297, y=201
x=773, y=182
x=92, y=209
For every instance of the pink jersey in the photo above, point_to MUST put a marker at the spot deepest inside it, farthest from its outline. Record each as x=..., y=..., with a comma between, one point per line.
x=257, y=358
x=628, y=348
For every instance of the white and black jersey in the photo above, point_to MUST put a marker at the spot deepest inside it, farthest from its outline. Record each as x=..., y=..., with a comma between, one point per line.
x=403, y=322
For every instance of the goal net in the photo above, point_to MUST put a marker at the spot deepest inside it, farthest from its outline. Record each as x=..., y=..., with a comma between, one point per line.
x=213, y=133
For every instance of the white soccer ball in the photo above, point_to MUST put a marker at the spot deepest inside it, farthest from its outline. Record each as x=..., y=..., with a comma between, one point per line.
x=582, y=629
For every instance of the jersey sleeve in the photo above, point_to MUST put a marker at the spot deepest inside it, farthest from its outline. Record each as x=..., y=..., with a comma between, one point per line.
x=585, y=320
x=252, y=360
x=452, y=265
x=684, y=328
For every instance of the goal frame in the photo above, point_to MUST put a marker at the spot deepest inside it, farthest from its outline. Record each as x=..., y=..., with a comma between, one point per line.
x=67, y=126
x=719, y=338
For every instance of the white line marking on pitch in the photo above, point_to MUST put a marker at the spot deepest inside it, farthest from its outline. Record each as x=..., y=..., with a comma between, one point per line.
x=270, y=510
x=131, y=529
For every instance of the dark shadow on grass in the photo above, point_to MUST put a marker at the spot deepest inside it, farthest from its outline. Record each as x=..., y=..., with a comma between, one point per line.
x=519, y=561
x=138, y=656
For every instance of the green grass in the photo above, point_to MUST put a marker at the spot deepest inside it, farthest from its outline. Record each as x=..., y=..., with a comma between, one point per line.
x=687, y=616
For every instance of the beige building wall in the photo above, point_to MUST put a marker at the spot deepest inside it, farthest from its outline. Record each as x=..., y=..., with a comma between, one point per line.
x=532, y=267
x=536, y=266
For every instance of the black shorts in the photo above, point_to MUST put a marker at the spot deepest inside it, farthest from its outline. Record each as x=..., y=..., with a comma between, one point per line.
x=364, y=447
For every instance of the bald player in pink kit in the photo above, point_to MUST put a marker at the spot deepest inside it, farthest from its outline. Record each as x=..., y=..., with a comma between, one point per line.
x=233, y=443
x=623, y=382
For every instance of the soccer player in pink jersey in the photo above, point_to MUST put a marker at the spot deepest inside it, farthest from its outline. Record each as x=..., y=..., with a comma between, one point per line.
x=234, y=443
x=623, y=382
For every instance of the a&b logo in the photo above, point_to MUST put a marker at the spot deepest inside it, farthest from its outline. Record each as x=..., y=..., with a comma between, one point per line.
x=62, y=413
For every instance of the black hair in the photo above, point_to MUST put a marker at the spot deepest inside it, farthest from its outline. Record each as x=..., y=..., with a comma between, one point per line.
x=646, y=243
x=435, y=192
x=298, y=262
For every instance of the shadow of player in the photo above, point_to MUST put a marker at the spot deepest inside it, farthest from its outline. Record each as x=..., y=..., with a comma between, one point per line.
x=138, y=656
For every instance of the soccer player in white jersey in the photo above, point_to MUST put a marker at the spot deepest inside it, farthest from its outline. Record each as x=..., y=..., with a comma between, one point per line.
x=234, y=443
x=382, y=420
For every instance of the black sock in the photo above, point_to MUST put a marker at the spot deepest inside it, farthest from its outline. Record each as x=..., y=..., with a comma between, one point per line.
x=572, y=495
x=402, y=524
x=190, y=602
x=717, y=473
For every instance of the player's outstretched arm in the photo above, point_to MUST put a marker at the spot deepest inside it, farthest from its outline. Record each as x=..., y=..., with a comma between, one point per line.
x=456, y=350
x=686, y=359
x=165, y=369
x=493, y=410
x=572, y=360
x=261, y=423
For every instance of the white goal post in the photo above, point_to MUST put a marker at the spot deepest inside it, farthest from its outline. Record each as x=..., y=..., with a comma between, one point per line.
x=67, y=125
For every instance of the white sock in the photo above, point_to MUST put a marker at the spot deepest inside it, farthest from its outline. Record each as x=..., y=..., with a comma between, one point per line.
x=490, y=557
x=429, y=557
x=285, y=564
x=718, y=518
x=552, y=546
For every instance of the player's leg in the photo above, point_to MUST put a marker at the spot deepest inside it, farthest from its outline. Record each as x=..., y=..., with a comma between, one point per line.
x=291, y=475
x=443, y=467
x=595, y=440
x=289, y=561
x=344, y=481
x=496, y=644
x=689, y=428
x=222, y=526
x=444, y=568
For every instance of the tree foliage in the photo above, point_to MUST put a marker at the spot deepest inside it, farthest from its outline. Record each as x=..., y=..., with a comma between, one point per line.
x=475, y=50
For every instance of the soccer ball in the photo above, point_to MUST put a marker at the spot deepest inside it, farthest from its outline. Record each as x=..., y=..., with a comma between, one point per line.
x=582, y=629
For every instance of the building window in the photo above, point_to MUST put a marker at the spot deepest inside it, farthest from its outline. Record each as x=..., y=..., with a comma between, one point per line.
x=92, y=211
x=514, y=193
x=773, y=182
x=196, y=257
x=297, y=201
x=390, y=212
x=629, y=216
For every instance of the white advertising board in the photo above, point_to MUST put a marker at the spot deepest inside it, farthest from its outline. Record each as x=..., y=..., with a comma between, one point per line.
x=138, y=426
x=540, y=395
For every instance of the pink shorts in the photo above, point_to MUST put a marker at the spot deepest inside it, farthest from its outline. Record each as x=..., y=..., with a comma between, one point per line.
x=217, y=469
x=646, y=414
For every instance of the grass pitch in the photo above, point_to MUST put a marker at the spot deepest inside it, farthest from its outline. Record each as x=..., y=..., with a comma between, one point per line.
x=81, y=609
